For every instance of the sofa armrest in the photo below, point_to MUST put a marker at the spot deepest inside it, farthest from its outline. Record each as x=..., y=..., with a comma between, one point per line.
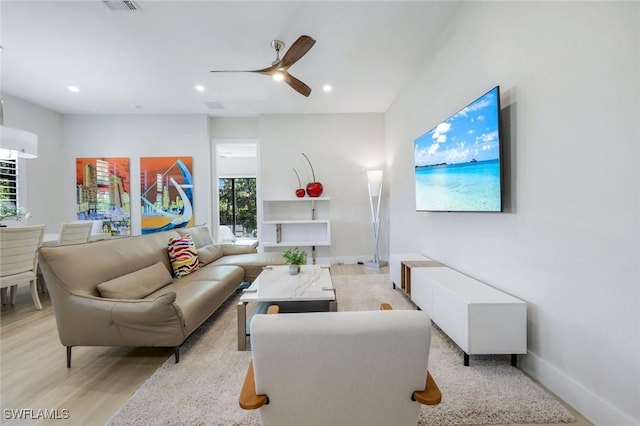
x=248, y=398
x=94, y=321
x=145, y=310
x=273, y=309
x=231, y=249
x=152, y=312
x=430, y=395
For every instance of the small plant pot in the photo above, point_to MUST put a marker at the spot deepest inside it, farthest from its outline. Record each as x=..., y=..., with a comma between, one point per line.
x=294, y=269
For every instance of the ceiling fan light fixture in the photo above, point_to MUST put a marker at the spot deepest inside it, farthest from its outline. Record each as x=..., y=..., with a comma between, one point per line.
x=279, y=68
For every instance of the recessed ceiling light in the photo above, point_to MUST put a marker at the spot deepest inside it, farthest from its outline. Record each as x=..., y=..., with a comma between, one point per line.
x=200, y=88
x=73, y=89
x=327, y=88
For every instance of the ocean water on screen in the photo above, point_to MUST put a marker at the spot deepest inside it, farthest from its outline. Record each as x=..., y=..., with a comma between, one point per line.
x=473, y=186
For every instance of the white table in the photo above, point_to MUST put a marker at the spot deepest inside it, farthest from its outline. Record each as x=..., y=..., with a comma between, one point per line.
x=274, y=285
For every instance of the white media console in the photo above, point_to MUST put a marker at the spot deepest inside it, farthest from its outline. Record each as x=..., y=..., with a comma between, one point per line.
x=480, y=319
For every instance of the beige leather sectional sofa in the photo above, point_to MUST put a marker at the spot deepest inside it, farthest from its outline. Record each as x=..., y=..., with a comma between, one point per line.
x=121, y=292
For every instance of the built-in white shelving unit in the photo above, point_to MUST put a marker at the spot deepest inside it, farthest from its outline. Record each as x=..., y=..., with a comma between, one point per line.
x=296, y=222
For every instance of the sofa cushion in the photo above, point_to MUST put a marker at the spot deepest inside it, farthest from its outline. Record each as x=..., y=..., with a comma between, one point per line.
x=210, y=253
x=138, y=284
x=183, y=256
x=81, y=267
x=252, y=263
x=200, y=234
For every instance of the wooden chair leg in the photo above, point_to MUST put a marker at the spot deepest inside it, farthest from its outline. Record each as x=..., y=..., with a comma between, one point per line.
x=431, y=394
x=176, y=353
x=68, y=356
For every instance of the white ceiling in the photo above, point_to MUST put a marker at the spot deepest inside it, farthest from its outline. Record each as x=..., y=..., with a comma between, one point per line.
x=148, y=61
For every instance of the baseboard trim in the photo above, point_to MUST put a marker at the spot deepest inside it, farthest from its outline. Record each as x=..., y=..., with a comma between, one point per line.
x=353, y=260
x=583, y=400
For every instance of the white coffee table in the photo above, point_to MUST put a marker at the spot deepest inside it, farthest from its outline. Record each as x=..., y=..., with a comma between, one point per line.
x=311, y=287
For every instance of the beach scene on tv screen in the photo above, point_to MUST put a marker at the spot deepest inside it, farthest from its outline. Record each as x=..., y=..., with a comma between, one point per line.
x=457, y=163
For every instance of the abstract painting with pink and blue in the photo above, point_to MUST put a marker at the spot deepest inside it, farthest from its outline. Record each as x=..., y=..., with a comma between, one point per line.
x=457, y=163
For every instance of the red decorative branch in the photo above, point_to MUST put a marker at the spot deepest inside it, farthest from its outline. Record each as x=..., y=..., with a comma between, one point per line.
x=310, y=165
x=298, y=176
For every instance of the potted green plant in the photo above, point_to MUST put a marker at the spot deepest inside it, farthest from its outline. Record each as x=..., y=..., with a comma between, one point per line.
x=294, y=258
x=9, y=211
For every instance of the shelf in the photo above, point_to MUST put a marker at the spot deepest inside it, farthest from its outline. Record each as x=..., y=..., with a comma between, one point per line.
x=294, y=222
x=277, y=200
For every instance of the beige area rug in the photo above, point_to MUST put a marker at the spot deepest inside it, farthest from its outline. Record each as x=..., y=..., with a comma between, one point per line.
x=203, y=388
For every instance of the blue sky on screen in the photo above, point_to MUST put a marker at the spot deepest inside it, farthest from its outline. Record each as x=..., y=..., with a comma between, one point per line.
x=471, y=133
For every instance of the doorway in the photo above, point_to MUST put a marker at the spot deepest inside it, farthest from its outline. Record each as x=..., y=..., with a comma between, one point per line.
x=237, y=192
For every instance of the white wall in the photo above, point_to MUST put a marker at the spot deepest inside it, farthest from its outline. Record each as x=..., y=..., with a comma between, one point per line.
x=234, y=128
x=136, y=136
x=568, y=243
x=341, y=147
x=37, y=193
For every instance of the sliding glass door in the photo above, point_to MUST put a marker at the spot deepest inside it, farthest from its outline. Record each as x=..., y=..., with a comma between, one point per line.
x=238, y=207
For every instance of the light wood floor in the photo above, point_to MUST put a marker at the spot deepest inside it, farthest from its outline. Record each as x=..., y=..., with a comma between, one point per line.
x=100, y=380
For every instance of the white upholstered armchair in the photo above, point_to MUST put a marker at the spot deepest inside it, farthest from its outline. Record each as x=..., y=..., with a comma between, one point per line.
x=340, y=368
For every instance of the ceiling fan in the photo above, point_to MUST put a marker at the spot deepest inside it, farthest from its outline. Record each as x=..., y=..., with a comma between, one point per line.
x=279, y=67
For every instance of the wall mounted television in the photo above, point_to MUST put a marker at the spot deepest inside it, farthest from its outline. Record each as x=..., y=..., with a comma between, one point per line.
x=458, y=164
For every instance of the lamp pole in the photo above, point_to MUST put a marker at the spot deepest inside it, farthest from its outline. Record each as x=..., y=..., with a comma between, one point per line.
x=375, y=198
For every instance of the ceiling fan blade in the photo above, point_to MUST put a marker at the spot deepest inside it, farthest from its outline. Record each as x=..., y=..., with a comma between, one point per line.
x=297, y=50
x=268, y=71
x=297, y=85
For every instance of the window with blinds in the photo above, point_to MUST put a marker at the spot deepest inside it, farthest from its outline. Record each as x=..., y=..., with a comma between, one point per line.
x=9, y=182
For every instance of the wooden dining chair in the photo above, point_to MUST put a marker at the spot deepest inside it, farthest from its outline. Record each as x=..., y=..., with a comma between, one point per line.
x=19, y=260
x=74, y=233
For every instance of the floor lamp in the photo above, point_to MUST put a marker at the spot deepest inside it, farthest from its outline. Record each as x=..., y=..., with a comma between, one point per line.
x=375, y=197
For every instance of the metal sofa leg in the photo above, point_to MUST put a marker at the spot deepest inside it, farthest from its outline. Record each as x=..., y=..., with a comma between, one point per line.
x=68, y=356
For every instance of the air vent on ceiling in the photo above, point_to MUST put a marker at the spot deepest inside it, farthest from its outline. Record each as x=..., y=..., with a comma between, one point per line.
x=214, y=105
x=125, y=5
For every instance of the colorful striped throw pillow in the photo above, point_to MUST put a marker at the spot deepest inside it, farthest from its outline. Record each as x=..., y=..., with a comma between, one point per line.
x=183, y=256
